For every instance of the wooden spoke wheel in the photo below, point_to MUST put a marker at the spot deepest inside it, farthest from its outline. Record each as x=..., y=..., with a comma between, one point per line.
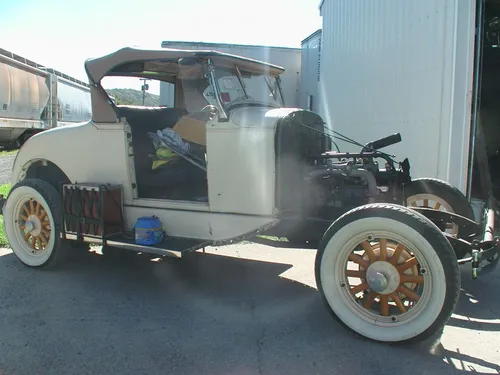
x=438, y=195
x=384, y=277
x=32, y=222
x=426, y=200
x=34, y=225
x=387, y=273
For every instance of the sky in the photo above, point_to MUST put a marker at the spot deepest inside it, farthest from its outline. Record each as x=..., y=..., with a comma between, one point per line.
x=63, y=34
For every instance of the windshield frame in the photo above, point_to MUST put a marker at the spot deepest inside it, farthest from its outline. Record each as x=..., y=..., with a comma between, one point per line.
x=226, y=108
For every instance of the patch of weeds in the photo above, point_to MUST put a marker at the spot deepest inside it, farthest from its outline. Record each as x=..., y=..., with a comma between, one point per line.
x=4, y=189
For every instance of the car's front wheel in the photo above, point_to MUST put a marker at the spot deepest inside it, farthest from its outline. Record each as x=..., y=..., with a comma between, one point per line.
x=388, y=273
x=32, y=223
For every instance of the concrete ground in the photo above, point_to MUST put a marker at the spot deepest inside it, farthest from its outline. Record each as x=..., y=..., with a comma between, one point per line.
x=240, y=310
x=6, y=168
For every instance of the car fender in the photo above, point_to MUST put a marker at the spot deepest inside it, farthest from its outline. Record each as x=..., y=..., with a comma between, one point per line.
x=41, y=147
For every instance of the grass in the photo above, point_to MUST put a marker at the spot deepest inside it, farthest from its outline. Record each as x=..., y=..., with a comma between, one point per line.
x=4, y=189
x=7, y=153
x=273, y=238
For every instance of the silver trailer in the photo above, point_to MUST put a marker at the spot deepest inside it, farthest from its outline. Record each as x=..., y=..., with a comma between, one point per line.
x=288, y=58
x=34, y=98
x=74, y=102
x=310, y=75
x=425, y=68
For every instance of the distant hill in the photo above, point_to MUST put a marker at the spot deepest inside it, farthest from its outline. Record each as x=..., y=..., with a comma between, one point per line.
x=134, y=97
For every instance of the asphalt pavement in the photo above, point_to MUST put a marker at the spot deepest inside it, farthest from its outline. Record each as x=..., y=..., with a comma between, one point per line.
x=241, y=310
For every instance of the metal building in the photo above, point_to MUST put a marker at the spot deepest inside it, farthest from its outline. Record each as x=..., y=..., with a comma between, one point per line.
x=310, y=73
x=402, y=66
x=288, y=58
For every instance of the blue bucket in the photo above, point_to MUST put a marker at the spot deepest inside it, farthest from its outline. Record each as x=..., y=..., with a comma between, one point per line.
x=148, y=230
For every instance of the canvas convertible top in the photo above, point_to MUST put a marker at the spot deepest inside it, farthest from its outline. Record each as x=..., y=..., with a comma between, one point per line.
x=99, y=67
x=159, y=64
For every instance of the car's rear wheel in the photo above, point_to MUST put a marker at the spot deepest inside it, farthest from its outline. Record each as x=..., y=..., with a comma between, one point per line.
x=32, y=223
x=388, y=273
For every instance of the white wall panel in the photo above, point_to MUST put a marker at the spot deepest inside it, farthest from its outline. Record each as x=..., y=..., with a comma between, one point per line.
x=401, y=66
x=310, y=73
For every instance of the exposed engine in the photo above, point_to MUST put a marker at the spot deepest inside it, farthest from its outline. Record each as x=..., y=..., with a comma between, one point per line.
x=341, y=184
x=313, y=181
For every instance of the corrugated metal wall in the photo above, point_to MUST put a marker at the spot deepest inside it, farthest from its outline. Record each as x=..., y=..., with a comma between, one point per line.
x=406, y=66
x=289, y=58
x=310, y=74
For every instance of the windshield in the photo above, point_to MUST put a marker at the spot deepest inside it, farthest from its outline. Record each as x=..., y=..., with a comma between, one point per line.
x=239, y=87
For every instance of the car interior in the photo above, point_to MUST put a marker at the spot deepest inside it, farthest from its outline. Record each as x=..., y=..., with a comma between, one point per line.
x=169, y=145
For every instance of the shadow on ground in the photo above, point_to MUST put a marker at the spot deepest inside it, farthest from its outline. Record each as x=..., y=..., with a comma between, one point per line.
x=208, y=314
x=479, y=304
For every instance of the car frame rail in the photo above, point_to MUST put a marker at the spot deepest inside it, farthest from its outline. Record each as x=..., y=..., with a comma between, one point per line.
x=477, y=239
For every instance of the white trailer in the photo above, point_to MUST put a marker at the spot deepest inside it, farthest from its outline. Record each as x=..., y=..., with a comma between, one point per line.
x=288, y=58
x=34, y=98
x=417, y=67
x=310, y=74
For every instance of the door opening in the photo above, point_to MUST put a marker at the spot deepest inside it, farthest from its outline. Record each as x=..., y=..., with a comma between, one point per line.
x=485, y=125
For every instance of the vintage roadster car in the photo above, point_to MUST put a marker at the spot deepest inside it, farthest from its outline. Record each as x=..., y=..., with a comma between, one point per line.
x=229, y=162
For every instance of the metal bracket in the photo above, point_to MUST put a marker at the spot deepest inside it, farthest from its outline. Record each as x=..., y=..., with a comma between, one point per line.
x=490, y=256
x=475, y=259
x=467, y=226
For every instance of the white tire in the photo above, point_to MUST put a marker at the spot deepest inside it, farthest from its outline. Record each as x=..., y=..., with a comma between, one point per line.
x=32, y=220
x=408, y=297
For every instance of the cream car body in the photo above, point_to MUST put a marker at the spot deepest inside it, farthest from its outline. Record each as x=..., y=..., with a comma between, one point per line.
x=234, y=163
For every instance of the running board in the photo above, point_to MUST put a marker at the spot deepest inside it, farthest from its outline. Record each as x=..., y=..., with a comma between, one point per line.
x=170, y=246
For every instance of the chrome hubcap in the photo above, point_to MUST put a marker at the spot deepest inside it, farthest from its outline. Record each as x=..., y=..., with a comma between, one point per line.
x=382, y=277
x=29, y=226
